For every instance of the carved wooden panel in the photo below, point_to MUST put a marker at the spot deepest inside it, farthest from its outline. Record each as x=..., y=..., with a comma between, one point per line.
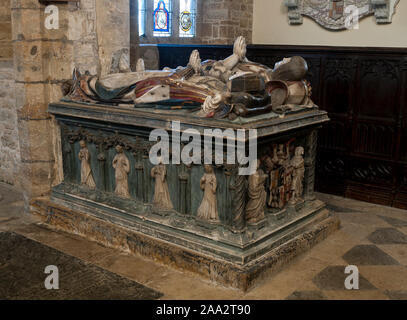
x=379, y=88
x=362, y=152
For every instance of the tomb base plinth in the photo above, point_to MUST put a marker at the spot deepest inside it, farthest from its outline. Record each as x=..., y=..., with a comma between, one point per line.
x=110, y=187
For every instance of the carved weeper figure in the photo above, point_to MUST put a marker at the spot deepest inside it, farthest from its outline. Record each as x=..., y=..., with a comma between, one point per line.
x=298, y=175
x=86, y=171
x=257, y=196
x=121, y=165
x=208, y=210
x=162, y=198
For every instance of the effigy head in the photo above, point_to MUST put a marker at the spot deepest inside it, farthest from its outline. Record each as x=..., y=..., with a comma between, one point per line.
x=299, y=151
x=140, y=66
x=82, y=143
x=290, y=69
x=208, y=168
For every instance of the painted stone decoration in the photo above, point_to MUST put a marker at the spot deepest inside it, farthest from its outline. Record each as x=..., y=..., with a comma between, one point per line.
x=297, y=163
x=208, y=210
x=162, y=198
x=86, y=171
x=279, y=170
x=121, y=164
x=340, y=14
x=204, y=218
x=257, y=196
x=229, y=88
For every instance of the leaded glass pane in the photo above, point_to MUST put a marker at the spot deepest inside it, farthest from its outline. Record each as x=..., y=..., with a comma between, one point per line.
x=162, y=18
x=141, y=17
x=187, y=15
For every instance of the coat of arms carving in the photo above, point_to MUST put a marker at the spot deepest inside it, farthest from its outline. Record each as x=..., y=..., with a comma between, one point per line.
x=339, y=14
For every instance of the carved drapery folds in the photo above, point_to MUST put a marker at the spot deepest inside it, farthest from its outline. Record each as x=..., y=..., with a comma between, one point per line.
x=122, y=168
x=162, y=199
x=121, y=165
x=86, y=171
x=208, y=210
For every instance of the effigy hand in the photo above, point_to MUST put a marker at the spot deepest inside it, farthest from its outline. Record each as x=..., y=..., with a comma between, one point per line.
x=195, y=61
x=239, y=48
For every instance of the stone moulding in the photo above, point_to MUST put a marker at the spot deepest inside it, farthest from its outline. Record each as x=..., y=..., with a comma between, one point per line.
x=333, y=14
x=227, y=247
x=122, y=237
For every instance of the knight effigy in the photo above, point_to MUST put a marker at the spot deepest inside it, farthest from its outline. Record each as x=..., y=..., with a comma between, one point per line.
x=228, y=88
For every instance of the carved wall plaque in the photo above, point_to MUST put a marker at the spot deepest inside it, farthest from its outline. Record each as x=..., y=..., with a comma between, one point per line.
x=336, y=14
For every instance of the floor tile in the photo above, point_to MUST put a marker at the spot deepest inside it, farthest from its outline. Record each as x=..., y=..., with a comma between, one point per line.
x=397, y=251
x=397, y=295
x=388, y=236
x=355, y=295
x=393, y=278
x=394, y=222
x=368, y=255
x=306, y=295
x=333, y=278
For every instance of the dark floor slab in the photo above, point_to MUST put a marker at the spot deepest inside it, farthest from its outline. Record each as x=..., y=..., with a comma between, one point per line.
x=396, y=295
x=22, y=265
x=306, y=295
x=368, y=255
x=388, y=236
x=333, y=278
x=394, y=222
x=332, y=207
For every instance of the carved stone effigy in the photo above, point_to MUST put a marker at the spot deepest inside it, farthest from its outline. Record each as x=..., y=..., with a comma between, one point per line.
x=86, y=171
x=208, y=210
x=162, y=199
x=121, y=166
x=257, y=196
x=209, y=219
x=230, y=88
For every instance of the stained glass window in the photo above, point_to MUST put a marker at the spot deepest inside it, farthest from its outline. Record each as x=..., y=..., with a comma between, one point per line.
x=162, y=17
x=187, y=14
x=141, y=17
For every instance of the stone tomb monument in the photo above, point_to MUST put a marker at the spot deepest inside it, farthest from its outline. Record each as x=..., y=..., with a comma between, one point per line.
x=206, y=218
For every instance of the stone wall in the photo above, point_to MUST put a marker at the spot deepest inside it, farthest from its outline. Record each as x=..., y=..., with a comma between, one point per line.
x=224, y=20
x=88, y=36
x=218, y=22
x=9, y=144
x=6, y=51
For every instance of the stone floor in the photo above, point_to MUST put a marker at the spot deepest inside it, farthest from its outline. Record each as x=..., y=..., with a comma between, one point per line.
x=374, y=238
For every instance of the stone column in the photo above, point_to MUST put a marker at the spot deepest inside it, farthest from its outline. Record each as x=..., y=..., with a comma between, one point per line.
x=43, y=60
x=34, y=123
x=310, y=161
x=113, y=29
x=9, y=142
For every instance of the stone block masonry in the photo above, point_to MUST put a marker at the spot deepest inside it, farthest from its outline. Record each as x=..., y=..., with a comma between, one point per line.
x=88, y=36
x=6, y=48
x=223, y=21
x=9, y=142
